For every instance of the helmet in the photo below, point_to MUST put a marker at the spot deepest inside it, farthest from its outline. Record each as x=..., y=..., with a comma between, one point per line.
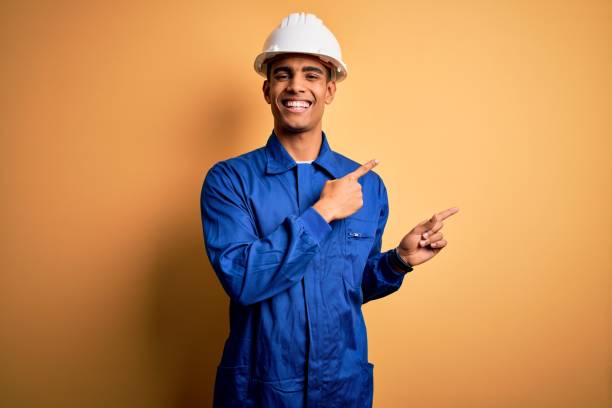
x=303, y=33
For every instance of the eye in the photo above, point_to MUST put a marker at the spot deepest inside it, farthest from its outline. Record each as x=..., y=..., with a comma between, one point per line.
x=281, y=76
x=312, y=76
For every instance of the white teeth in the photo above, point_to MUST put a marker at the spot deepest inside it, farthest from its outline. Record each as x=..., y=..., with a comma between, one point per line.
x=297, y=104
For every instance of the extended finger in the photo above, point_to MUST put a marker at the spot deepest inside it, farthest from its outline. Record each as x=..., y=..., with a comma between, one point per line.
x=448, y=212
x=363, y=169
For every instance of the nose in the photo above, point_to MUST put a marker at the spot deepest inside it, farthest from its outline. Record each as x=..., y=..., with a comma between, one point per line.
x=296, y=84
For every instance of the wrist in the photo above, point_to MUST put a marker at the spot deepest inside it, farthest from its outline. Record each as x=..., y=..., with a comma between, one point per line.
x=402, y=254
x=324, y=210
x=399, y=262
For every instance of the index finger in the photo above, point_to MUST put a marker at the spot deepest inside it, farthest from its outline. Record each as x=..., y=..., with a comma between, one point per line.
x=363, y=169
x=447, y=213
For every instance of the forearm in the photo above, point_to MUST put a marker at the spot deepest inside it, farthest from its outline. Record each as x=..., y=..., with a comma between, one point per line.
x=380, y=277
x=256, y=270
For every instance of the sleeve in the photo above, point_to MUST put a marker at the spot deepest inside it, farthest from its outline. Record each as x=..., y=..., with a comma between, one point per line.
x=379, y=277
x=250, y=268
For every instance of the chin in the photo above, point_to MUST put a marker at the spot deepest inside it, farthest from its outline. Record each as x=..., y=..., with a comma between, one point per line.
x=296, y=129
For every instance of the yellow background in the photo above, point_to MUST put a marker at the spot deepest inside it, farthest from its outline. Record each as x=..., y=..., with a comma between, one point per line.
x=112, y=114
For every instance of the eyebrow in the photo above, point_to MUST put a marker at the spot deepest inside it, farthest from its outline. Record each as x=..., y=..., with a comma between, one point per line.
x=308, y=68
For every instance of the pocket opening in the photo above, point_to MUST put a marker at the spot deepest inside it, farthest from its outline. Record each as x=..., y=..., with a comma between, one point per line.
x=358, y=235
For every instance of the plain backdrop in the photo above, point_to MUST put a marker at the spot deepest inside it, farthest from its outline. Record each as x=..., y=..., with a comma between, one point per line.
x=112, y=112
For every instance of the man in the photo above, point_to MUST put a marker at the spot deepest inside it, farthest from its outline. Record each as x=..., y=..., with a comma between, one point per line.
x=293, y=231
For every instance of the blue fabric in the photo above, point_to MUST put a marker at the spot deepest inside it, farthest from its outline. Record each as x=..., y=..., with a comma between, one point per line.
x=296, y=283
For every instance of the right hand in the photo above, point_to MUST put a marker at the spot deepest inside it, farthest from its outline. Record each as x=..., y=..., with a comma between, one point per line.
x=342, y=197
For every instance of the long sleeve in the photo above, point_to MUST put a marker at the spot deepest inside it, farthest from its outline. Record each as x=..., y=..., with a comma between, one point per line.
x=252, y=268
x=379, y=277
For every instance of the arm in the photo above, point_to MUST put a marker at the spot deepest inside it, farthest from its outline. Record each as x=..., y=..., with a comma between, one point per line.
x=252, y=269
x=380, y=278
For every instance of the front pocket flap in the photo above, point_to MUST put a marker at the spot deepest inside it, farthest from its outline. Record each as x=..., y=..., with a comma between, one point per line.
x=290, y=385
x=360, y=228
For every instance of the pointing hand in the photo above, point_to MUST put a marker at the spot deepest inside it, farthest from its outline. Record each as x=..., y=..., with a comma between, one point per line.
x=342, y=197
x=425, y=240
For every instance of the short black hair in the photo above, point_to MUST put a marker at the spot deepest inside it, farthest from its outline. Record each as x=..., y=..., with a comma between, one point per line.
x=269, y=67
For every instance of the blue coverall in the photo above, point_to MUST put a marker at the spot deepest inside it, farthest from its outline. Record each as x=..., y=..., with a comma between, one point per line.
x=296, y=283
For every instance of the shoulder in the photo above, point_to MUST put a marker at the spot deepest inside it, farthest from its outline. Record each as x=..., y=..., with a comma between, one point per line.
x=229, y=179
x=236, y=168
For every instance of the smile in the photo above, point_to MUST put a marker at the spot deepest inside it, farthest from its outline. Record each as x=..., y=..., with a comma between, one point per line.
x=296, y=106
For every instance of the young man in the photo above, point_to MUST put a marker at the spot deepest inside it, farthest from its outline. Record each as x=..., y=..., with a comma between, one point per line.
x=293, y=231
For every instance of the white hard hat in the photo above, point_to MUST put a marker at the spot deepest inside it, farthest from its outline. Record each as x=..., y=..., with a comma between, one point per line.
x=303, y=33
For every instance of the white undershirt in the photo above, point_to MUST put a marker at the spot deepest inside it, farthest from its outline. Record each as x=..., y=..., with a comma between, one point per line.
x=304, y=161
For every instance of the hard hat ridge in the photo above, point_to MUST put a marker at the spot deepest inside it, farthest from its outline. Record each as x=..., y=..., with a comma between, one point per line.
x=300, y=18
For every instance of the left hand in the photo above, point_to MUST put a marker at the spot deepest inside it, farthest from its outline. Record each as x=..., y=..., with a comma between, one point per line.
x=425, y=240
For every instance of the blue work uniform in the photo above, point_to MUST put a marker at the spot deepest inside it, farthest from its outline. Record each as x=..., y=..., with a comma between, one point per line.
x=296, y=283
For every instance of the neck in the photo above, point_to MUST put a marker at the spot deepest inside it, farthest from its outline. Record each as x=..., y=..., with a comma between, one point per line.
x=301, y=146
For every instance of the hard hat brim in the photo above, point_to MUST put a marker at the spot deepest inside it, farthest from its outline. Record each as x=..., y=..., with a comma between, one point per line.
x=339, y=71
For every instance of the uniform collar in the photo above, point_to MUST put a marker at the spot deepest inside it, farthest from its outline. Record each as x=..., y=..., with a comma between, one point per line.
x=279, y=160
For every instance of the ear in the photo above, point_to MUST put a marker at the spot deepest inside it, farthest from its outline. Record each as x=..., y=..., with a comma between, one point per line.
x=330, y=92
x=266, y=91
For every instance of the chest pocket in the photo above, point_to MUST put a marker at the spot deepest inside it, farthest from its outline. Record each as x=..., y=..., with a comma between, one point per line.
x=359, y=239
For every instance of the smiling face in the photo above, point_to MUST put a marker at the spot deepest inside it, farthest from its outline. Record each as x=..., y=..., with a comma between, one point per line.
x=298, y=88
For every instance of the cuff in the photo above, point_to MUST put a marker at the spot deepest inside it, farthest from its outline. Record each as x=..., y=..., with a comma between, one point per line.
x=390, y=264
x=315, y=224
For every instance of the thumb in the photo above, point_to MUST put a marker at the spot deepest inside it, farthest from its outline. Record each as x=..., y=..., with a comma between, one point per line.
x=427, y=224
